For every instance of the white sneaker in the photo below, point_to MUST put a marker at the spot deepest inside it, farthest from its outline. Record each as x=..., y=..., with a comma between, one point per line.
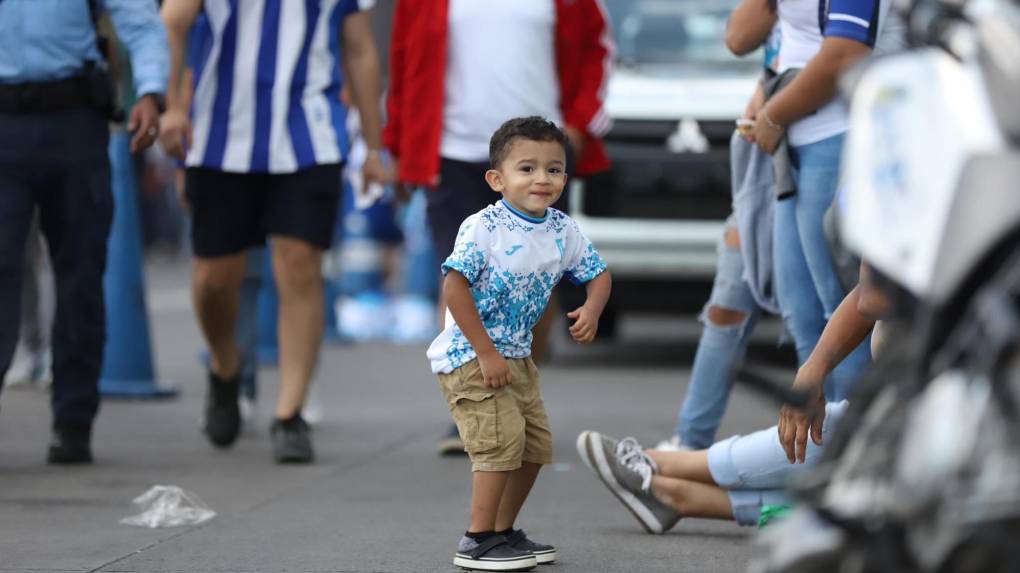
x=29, y=368
x=19, y=373
x=43, y=375
x=248, y=409
x=312, y=411
x=672, y=445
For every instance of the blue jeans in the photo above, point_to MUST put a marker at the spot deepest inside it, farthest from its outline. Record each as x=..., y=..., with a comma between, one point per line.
x=807, y=285
x=754, y=468
x=720, y=352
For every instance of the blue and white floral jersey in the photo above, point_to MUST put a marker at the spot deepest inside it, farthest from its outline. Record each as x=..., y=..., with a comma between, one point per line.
x=512, y=262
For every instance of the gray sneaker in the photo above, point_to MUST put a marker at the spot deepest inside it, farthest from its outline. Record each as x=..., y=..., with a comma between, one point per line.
x=625, y=469
x=543, y=553
x=493, y=554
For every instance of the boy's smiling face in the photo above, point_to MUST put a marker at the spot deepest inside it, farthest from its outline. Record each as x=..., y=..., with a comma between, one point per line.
x=532, y=175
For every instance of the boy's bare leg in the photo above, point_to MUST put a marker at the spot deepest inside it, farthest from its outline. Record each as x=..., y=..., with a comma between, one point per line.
x=297, y=268
x=216, y=294
x=683, y=465
x=693, y=499
x=518, y=487
x=487, y=489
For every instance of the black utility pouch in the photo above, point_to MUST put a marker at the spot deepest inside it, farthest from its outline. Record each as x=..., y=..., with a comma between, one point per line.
x=102, y=95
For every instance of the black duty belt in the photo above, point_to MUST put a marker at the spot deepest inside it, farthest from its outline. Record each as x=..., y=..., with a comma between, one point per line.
x=42, y=97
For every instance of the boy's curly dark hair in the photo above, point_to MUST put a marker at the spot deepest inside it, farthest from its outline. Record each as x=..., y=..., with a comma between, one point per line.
x=534, y=128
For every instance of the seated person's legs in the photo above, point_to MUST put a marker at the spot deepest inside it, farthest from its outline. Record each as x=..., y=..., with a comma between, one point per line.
x=744, y=468
x=733, y=479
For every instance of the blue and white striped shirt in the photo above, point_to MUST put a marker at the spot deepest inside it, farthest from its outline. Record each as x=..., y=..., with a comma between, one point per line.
x=267, y=92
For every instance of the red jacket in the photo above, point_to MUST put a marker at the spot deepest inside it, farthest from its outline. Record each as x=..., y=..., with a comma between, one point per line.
x=584, y=56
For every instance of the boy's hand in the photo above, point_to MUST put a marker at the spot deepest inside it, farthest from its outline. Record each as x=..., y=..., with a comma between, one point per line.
x=586, y=324
x=495, y=370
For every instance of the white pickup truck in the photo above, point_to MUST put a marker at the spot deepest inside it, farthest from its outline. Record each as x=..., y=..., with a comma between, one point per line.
x=673, y=96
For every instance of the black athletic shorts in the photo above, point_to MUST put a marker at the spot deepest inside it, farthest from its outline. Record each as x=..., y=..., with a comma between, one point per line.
x=232, y=212
x=462, y=192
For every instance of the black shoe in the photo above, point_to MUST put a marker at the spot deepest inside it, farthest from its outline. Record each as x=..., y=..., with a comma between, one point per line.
x=222, y=413
x=543, y=553
x=493, y=554
x=70, y=444
x=292, y=441
x=450, y=444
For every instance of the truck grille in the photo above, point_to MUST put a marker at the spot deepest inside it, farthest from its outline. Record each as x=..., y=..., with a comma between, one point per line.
x=650, y=181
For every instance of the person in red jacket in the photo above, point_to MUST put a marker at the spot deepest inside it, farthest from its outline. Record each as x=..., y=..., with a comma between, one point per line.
x=460, y=68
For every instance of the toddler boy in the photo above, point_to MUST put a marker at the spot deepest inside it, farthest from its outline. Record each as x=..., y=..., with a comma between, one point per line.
x=504, y=265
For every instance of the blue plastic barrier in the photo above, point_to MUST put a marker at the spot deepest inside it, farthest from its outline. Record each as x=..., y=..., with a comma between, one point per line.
x=127, y=356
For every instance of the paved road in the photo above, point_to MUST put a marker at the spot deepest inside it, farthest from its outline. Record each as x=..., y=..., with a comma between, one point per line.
x=379, y=500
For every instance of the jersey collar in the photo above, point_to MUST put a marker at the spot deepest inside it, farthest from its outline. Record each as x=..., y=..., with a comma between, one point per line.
x=525, y=216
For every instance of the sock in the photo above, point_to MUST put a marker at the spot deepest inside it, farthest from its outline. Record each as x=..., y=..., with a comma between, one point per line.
x=506, y=532
x=479, y=536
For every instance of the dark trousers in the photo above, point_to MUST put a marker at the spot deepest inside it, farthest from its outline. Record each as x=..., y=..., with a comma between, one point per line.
x=57, y=163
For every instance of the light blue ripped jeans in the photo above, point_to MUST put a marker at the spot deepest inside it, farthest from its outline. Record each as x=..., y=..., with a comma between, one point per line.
x=754, y=468
x=807, y=285
x=720, y=352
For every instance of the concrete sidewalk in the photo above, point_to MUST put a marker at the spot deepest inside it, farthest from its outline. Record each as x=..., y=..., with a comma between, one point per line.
x=378, y=500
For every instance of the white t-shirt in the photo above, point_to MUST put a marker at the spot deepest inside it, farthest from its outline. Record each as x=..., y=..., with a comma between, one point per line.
x=500, y=64
x=802, y=23
x=512, y=262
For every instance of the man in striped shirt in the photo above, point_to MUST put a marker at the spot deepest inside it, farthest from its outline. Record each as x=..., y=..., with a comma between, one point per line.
x=264, y=145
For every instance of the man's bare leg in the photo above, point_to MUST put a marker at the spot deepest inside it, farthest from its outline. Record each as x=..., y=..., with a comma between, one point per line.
x=216, y=293
x=297, y=267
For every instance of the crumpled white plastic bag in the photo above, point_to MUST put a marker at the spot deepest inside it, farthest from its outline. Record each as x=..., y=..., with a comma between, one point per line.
x=169, y=506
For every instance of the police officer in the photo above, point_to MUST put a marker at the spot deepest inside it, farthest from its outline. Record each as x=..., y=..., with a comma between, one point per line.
x=55, y=102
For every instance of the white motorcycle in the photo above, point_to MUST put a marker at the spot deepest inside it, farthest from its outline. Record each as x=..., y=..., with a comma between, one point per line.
x=924, y=473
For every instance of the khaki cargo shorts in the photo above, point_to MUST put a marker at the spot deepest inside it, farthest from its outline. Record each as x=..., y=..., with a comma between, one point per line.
x=501, y=427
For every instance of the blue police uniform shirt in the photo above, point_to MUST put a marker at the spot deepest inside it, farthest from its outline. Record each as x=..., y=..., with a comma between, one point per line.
x=47, y=40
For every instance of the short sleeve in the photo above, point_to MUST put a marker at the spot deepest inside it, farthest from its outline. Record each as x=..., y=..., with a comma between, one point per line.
x=470, y=254
x=348, y=7
x=854, y=20
x=582, y=262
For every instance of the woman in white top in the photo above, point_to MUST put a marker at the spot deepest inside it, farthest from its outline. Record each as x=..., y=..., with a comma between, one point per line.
x=821, y=39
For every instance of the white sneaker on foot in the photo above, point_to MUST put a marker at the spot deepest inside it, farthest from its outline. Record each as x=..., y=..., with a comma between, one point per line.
x=312, y=411
x=672, y=445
